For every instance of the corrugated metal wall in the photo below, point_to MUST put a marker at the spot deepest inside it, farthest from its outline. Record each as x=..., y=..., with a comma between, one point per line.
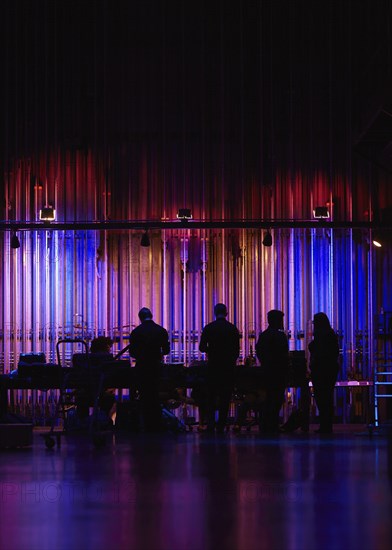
x=83, y=283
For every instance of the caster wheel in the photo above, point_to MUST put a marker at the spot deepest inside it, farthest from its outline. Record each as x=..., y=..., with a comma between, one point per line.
x=49, y=442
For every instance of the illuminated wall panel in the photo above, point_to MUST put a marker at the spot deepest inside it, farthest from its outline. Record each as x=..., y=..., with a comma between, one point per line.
x=84, y=283
x=63, y=290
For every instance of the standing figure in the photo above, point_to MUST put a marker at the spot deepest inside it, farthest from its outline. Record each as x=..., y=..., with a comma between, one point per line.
x=148, y=343
x=272, y=350
x=324, y=368
x=220, y=340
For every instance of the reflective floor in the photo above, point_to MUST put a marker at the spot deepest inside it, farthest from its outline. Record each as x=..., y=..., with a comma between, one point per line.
x=194, y=491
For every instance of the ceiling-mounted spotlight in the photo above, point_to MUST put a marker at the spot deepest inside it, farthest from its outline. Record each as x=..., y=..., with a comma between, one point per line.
x=15, y=243
x=377, y=239
x=267, y=241
x=321, y=212
x=184, y=214
x=145, y=240
x=47, y=214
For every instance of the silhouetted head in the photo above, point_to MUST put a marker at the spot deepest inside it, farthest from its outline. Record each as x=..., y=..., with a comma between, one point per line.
x=101, y=344
x=321, y=323
x=220, y=310
x=275, y=318
x=145, y=314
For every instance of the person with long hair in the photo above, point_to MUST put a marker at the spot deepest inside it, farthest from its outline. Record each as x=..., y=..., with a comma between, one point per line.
x=324, y=368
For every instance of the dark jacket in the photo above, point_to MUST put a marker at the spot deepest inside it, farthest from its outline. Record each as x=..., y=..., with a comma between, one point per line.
x=148, y=343
x=272, y=350
x=324, y=358
x=221, y=341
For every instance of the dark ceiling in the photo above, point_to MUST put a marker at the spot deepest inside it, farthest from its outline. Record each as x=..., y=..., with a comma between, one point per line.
x=267, y=74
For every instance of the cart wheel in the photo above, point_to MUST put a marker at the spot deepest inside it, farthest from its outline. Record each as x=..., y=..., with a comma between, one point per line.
x=49, y=442
x=99, y=440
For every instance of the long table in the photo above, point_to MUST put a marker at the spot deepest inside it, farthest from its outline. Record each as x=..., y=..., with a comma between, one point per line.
x=122, y=376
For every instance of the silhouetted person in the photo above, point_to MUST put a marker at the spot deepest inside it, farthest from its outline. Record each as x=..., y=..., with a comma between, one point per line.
x=100, y=349
x=148, y=343
x=220, y=340
x=272, y=350
x=324, y=368
x=100, y=352
x=3, y=396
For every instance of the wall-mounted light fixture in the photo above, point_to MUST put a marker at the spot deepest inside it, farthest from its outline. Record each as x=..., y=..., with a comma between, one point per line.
x=267, y=241
x=47, y=214
x=145, y=240
x=184, y=214
x=15, y=243
x=321, y=212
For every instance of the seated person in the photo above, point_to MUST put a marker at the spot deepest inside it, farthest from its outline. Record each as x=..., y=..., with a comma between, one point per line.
x=252, y=401
x=99, y=350
x=199, y=397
